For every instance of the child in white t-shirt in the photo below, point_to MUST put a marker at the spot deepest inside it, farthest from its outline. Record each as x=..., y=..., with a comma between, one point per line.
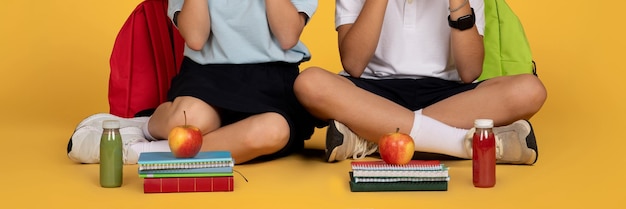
x=412, y=65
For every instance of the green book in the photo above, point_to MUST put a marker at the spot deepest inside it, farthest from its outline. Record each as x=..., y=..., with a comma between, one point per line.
x=397, y=186
x=190, y=170
x=173, y=175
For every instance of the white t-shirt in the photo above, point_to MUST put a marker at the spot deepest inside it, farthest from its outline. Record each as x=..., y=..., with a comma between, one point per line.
x=415, y=38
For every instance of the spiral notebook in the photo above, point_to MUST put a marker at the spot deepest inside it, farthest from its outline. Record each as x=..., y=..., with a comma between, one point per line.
x=417, y=175
x=166, y=160
x=413, y=165
x=402, y=173
x=397, y=186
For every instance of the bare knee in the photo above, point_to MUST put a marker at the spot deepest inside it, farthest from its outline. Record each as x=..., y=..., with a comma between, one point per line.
x=527, y=93
x=310, y=86
x=307, y=84
x=268, y=133
x=185, y=110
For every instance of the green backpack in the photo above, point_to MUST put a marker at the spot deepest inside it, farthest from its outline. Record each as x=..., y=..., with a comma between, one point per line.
x=507, y=51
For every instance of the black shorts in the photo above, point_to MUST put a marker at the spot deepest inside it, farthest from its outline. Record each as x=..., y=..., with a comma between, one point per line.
x=238, y=91
x=413, y=94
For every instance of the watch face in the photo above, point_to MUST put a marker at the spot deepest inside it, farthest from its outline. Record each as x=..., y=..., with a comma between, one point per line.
x=464, y=18
x=466, y=22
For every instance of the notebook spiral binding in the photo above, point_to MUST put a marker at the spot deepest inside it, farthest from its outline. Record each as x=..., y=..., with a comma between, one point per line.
x=189, y=165
x=399, y=179
x=377, y=167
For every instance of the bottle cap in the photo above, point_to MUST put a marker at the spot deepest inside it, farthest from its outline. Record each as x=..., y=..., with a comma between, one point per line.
x=110, y=124
x=483, y=123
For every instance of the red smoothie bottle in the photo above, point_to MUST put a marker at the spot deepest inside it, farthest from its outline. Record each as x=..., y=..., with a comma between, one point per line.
x=484, y=154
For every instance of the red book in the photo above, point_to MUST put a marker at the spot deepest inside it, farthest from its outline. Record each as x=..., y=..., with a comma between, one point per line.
x=189, y=184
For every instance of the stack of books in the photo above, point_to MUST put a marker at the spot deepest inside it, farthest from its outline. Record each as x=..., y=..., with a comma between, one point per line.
x=206, y=172
x=417, y=175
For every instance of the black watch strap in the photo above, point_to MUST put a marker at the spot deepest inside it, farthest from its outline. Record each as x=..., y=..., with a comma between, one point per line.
x=464, y=22
x=175, y=19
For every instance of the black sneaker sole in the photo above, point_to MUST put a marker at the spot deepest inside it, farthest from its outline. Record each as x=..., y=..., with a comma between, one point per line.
x=69, y=146
x=334, y=139
x=531, y=141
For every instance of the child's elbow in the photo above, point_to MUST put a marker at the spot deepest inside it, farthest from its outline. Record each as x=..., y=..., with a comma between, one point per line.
x=468, y=80
x=195, y=45
x=286, y=45
x=288, y=42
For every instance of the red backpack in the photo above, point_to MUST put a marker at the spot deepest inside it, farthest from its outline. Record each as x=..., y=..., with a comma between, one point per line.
x=147, y=53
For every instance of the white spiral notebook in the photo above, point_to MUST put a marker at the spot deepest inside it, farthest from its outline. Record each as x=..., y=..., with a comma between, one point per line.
x=417, y=175
x=166, y=160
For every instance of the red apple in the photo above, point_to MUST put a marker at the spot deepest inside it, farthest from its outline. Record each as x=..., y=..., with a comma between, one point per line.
x=185, y=140
x=396, y=148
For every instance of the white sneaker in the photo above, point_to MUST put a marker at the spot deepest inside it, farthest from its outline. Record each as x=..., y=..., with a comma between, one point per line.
x=84, y=145
x=515, y=143
x=342, y=143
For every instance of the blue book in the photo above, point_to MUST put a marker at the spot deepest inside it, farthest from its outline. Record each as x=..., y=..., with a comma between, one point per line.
x=166, y=160
x=189, y=170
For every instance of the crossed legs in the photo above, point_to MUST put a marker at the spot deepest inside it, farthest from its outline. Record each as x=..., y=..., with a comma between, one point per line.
x=246, y=139
x=503, y=99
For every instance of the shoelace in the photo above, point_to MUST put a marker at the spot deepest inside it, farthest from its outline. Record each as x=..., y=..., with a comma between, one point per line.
x=129, y=141
x=363, y=148
x=125, y=149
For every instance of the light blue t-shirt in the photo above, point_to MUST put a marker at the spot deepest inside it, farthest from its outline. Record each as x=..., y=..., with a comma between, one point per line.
x=240, y=34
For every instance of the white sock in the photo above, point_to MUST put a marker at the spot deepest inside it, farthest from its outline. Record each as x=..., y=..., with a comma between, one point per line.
x=153, y=146
x=433, y=136
x=146, y=132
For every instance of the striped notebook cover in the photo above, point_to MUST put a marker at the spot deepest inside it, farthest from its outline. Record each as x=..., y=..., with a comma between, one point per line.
x=413, y=165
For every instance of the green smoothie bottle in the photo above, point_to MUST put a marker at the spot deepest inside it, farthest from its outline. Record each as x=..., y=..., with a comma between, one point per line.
x=111, y=161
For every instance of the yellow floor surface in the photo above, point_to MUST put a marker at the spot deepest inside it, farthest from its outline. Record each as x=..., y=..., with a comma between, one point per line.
x=575, y=170
x=54, y=63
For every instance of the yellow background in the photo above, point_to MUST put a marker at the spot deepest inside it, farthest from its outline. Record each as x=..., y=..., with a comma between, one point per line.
x=54, y=63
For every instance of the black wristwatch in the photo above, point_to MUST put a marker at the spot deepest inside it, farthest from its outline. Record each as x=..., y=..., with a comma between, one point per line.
x=463, y=23
x=175, y=19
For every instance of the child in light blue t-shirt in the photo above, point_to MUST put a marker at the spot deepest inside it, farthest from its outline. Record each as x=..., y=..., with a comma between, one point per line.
x=235, y=84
